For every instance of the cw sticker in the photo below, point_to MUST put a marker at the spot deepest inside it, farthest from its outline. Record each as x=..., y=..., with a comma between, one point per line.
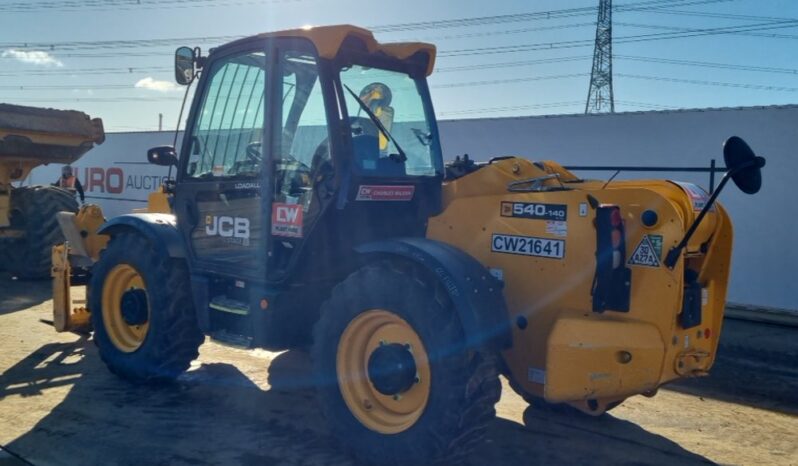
x=287, y=220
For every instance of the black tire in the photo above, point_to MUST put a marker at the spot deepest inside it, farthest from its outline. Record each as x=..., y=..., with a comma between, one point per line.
x=173, y=338
x=33, y=210
x=464, y=384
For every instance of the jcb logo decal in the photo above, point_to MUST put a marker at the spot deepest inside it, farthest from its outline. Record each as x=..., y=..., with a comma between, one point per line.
x=227, y=227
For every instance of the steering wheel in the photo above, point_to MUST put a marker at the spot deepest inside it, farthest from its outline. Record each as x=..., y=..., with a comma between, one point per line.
x=365, y=126
x=298, y=180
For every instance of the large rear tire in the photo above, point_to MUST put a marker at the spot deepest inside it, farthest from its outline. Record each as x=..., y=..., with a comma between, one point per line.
x=397, y=384
x=143, y=315
x=33, y=210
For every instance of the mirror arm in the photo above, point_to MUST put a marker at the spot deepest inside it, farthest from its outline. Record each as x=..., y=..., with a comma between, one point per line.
x=676, y=252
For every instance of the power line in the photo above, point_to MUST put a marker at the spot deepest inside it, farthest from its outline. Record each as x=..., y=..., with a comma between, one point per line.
x=446, y=69
x=759, y=87
x=686, y=33
x=624, y=39
x=486, y=66
x=512, y=108
x=708, y=14
x=572, y=103
x=101, y=87
x=508, y=31
x=89, y=5
x=85, y=71
x=460, y=22
x=647, y=105
x=92, y=99
x=727, y=66
x=539, y=15
x=668, y=61
x=67, y=87
x=673, y=28
x=509, y=81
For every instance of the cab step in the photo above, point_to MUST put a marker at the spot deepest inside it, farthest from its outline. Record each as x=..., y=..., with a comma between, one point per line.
x=224, y=304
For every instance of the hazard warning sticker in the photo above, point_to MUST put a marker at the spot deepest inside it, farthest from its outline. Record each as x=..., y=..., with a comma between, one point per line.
x=645, y=253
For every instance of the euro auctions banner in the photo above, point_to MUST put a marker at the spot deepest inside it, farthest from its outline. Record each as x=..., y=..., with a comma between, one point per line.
x=115, y=175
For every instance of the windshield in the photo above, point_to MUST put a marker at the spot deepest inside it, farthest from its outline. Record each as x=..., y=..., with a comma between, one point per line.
x=396, y=100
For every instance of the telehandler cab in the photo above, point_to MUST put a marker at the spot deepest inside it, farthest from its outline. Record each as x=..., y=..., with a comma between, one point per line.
x=312, y=208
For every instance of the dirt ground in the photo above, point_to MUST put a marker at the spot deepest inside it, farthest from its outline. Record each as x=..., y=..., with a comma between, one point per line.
x=59, y=405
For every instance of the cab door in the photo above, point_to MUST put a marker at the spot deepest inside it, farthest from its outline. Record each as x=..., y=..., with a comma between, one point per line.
x=303, y=168
x=219, y=200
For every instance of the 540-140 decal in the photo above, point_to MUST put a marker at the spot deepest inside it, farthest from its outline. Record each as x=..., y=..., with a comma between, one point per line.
x=535, y=210
x=528, y=246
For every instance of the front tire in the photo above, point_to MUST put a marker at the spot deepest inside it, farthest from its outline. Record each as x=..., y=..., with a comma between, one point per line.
x=398, y=385
x=143, y=316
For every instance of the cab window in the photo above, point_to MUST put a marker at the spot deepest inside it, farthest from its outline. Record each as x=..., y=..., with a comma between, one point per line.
x=304, y=147
x=396, y=99
x=225, y=141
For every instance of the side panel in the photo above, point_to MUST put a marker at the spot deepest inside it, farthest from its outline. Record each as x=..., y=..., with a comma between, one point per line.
x=476, y=294
x=544, y=245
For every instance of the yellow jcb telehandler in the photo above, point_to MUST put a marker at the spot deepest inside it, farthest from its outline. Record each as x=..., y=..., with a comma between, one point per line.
x=312, y=208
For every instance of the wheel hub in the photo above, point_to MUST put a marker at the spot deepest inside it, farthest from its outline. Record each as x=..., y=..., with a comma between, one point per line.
x=134, y=306
x=392, y=369
x=383, y=371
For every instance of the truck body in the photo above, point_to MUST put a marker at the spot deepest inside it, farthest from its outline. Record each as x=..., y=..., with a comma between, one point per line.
x=30, y=137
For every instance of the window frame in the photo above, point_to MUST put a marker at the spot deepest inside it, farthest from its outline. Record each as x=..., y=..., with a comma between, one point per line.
x=417, y=73
x=201, y=94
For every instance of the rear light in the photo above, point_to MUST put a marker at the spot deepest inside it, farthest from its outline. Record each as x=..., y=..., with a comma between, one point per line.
x=617, y=238
x=615, y=217
x=612, y=282
x=617, y=259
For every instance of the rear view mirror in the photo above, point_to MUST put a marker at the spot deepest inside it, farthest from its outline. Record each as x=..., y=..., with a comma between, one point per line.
x=164, y=156
x=184, y=65
x=743, y=165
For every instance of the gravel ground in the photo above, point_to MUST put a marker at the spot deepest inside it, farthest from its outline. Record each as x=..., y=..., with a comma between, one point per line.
x=59, y=405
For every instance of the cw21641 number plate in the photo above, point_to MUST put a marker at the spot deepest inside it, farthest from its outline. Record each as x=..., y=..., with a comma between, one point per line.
x=528, y=246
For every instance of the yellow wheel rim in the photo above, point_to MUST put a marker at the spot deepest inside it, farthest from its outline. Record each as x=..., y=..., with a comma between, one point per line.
x=125, y=337
x=382, y=413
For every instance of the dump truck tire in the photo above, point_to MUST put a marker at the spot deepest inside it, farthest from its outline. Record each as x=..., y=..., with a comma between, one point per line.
x=143, y=316
x=379, y=313
x=33, y=210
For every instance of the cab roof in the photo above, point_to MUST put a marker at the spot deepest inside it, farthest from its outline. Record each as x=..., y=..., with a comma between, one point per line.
x=329, y=40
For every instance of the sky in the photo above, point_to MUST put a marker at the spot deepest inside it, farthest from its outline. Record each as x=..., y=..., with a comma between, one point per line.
x=114, y=58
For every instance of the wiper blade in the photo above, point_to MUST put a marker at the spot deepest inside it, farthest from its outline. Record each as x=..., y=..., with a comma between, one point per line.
x=376, y=120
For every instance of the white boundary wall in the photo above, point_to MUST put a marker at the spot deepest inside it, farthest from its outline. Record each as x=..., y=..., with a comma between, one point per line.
x=117, y=176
